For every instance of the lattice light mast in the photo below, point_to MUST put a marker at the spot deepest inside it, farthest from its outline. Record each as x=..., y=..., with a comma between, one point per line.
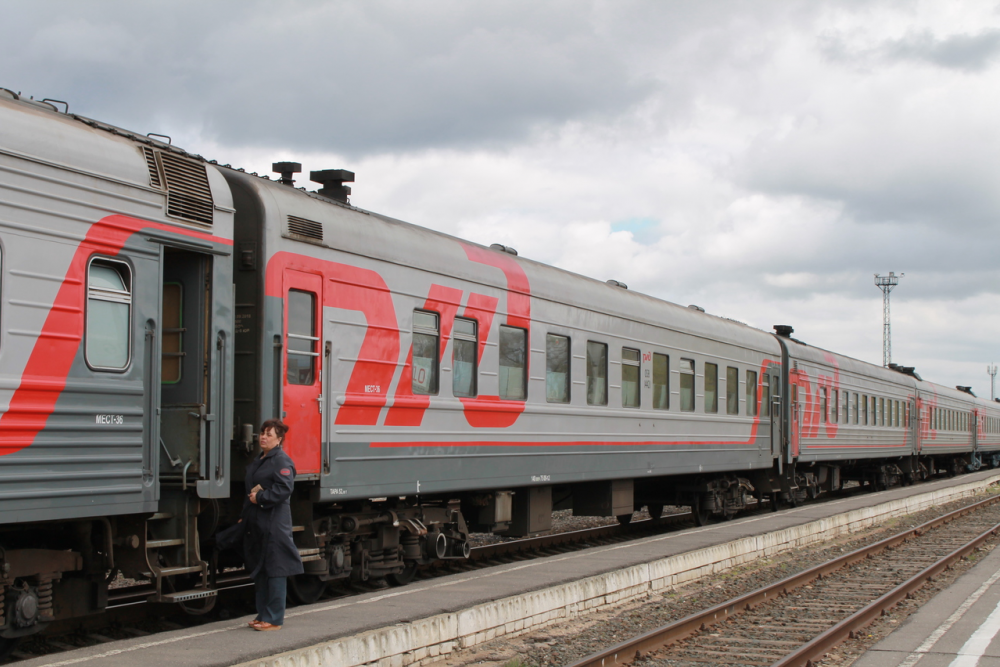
x=886, y=283
x=992, y=370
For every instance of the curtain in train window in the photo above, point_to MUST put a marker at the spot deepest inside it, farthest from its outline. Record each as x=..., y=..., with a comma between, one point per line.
x=630, y=377
x=687, y=385
x=732, y=391
x=711, y=388
x=597, y=373
x=109, y=314
x=661, y=375
x=425, y=352
x=557, y=377
x=751, y=394
x=172, y=341
x=765, y=395
x=302, y=337
x=463, y=358
x=513, y=363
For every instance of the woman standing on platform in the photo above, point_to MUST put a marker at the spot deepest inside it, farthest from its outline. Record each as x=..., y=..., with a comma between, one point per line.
x=271, y=555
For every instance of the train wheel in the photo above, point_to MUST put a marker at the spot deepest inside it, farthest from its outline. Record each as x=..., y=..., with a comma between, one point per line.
x=655, y=511
x=624, y=519
x=306, y=588
x=700, y=512
x=404, y=577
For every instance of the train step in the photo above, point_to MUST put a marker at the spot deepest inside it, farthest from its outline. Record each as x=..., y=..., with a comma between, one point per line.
x=184, y=596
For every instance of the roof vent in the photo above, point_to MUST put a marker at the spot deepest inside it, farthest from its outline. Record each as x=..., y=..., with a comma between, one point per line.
x=615, y=283
x=698, y=308
x=504, y=248
x=905, y=370
x=333, y=181
x=188, y=193
x=286, y=169
x=308, y=229
x=967, y=390
x=154, y=170
x=784, y=330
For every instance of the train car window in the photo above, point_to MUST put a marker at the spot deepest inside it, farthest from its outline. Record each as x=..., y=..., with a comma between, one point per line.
x=631, y=366
x=513, y=363
x=302, y=338
x=899, y=415
x=881, y=411
x=687, y=385
x=864, y=410
x=823, y=401
x=765, y=408
x=109, y=315
x=732, y=391
x=835, y=407
x=711, y=388
x=856, y=412
x=463, y=358
x=751, y=393
x=426, y=336
x=597, y=373
x=847, y=407
x=661, y=379
x=557, y=378
x=172, y=341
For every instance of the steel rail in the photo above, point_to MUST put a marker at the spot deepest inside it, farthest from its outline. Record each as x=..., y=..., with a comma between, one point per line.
x=627, y=651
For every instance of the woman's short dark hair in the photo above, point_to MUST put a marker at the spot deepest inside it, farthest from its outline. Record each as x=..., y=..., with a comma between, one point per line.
x=279, y=427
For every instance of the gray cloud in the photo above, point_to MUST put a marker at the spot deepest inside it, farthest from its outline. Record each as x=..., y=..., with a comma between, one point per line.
x=972, y=53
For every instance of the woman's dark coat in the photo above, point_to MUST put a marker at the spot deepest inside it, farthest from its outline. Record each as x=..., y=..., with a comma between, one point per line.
x=268, y=542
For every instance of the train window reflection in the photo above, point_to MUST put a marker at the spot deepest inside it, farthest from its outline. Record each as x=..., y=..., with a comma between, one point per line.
x=822, y=404
x=711, y=388
x=835, y=406
x=765, y=407
x=557, y=376
x=513, y=363
x=661, y=379
x=752, y=393
x=425, y=352
x=463, y=358
x=630, y=377
x=864, y=410
x=302, y=337
x=687, y=385
x=109, y=315
x=732, y=391
x=597, y=373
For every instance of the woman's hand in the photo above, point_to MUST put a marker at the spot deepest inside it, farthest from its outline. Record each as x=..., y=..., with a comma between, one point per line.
x=253, y=497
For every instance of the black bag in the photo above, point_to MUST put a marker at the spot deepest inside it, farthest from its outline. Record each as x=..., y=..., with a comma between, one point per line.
x=230, y=538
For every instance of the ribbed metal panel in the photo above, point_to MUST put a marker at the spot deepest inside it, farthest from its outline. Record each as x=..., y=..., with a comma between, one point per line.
x=188, y=193
x=309, y=229
x=154, y=170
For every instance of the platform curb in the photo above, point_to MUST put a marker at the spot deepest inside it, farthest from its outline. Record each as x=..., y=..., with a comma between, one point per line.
x=425, y=640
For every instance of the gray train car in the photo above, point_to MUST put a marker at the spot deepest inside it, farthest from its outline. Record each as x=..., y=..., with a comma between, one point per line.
x=156, y=307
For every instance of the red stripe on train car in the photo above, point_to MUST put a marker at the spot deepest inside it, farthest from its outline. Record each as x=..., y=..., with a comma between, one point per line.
x=58, y=343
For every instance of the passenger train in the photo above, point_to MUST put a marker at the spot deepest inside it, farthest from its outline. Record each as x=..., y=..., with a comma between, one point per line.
x=156, y=306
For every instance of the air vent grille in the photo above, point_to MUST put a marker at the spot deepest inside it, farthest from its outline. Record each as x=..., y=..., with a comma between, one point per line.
x=188, y=193
x=154, y=171
x=309, y=229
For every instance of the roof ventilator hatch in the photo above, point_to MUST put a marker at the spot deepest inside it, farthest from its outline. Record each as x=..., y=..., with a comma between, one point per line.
x=304, y=229
x=504, y=248
x=189, y=195
x=333, y=181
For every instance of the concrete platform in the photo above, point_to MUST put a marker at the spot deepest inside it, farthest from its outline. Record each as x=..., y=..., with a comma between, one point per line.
x=416, y=623
x=958, y=629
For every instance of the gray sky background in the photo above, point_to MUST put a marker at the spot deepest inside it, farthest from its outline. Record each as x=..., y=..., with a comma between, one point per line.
x=760, y=159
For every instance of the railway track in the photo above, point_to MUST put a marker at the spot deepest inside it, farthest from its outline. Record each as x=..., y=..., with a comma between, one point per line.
x=797, y=620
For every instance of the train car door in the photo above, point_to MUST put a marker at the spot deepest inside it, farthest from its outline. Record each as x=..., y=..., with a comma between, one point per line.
x=302, y=401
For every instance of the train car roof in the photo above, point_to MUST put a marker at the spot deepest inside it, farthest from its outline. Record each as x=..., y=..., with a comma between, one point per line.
x=384, y=238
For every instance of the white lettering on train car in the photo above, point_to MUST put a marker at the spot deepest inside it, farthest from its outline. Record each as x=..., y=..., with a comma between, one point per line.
x=116, y=420
x=541, y=478
x=373, y=389
x=338, y=492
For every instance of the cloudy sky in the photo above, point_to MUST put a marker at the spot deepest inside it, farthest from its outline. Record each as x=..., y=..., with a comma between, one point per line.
x=760, y=159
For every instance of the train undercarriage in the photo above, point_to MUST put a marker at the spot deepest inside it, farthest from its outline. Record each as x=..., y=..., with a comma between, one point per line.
x=62, y=570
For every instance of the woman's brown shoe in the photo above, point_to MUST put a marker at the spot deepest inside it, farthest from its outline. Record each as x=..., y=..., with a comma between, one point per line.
x=264, y=627
x=254, y=623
